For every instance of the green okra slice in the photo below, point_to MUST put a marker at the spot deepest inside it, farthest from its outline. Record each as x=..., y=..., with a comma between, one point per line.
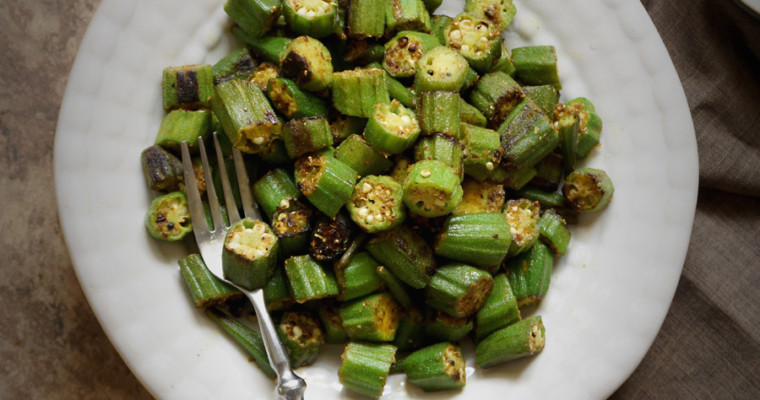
x=256, y=17
x=406, y=15
x=553, y=232
x=404, y=50
x=372, y=318
x=376, y=204
x=168, y=217
x=476, y=38
x=521, y=339
x=441, y=68
x=504, y=63
x=274, y=154
x=496, y=94
x=363, y=52
x=545, y=198
x=568, y=143
x=499, y=12
x=550, y=170
x=325, y=181
x=437, y=367
x=395, y=287
x=582, y=111
x=292, y=102
x=469, y=114
x=187, y=86
x=366, y=19
x=432, y=189
x=458, y=289
x=276, y=293
x=443, y=148
x=536, y=65
x=410, y=334
x=205, y=288
x=391, y=128
x=315, y=18
x=237, y=64
x=397, y=91
x=332, y=324
x=179, y=126
x=499, y=310
x=479, y=239
x=480, y=197
x=302, y=336
x=162, y=169
x=438, y=112
x=249, y=253
x=529, y=274
x=443, y=327
x=306, y=135
x=588, y=190
x=522, y=216
x=405, y=253
x=355, y=92
x=248, y=338
x=274, y=188
x=269, y=48
x=363, y=158
x=343, y=126
x=438, y=24
x=513, y=178
x=545, y=96
x=291, y=222
x=331, y=238
x=527, y=136
x=246, y=115
x=482, y=151
x=264, y=73
x=307, y=61
x=365, y=367
x=357, y=278
x=308, y=280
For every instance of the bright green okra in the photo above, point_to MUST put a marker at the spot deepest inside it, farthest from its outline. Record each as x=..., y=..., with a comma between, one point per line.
x=406, y=15
x=458, y=289
x=306, y=135
x=482, y=151
x=366, y=19
x=391, y=128
x=553, y=232
x=308, y=280
x=529, y=274
x=168, y=217
x=441, y=68
x=406, y=254
x=255, y=17
x=372, y=318
x=521, y=339
x=443, y=148
x=398, y=289
x=496, y=94
x=302, y=336
x=443, y=327
x=363, y=158
x=332, y=324
x=315, y=18
x=326, y=181
x=527, y=136
x=582, y=111
x=365, y=367
x=248, y=338
x=499, y=310
x=481, y=239
x=249, y=253
x=237, y=64
x=205, y=288
x=410, y=334
x=187, y=86
x=545, y=96
x=437, y=367
x=276, y=293
x=432, y=189
x=376, y=204
x=536, y=65
x=357, y=278
x=438, y=112
x=499, y=12
x=355, y=92
x=588, y=190
x=179, y=126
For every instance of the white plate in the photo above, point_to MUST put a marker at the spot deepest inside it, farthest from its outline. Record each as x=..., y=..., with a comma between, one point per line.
x=609, y=295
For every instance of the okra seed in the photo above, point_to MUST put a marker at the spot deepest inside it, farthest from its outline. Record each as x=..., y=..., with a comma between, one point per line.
x=363, y=212
x=379, y=218
x=367, y=187
x=297, y=332
x=258, y=140
x=284, y=203
x=425, y=173
x=465, y=47
x=455, y=35
x=370, y=219
x=489, y=166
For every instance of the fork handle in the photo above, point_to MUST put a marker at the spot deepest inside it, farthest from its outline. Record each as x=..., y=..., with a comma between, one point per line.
x=289, y=385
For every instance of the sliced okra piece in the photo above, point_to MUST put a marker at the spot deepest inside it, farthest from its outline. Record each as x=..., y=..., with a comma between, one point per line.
x=363, y=158
x=237, y=64
x=479, y=239
x=187, y=86
x=366, y=19
x=406, y=15
x=248, y=338
x=391, y=128
x=545, y=198
x=458, y=289
x=291, y=222
x=496, y=94
x=179, y=126
x=438, y=24
x=343, y=126
x=397, y=289
x=469, y=114
x=527, y=136
x=275, y=154
x=325, y=181
x=397, y=91
x=308, y=62
x=269, y=48
x=401, y=169
x=331, y=322
x=331, y=238
x=441, y=68
x=355, y=92
x=443, y=327
x=302, y=336
x=168, y=217
x=372, y=318
x=589, y=123
x=588, y=190
x=437, y=367
x=162, y=169
x=480, y=197
x=443, y=148
x=404, y=50
x=306, y=135
x=504, y=63
x=476, y=38
x=568, y=143
x=432, y=189
x=205, y=288
x=376, y=204
x=308, y=280
x=358, y=277
x=553, y=232
x=274, y=188
x=255, y=17
x=549, y=171
x=248, y=119
x=521, y=339
x=522, y=216
x=536, y=65
x=529, y=274
x=249, y=253
x=292, y=102
x=499, y=12
x=482, y=151
x=499, y=310
x=545, y=96
x=363, y=52
x=276, y=293
x=405, y=253
x=365, y=366
x=438, y=112
x=315, y=18
x=410, y=334
x=264, y=73
x=513, y=178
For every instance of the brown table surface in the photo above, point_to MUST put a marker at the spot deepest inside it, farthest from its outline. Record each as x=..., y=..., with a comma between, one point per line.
x=52, y=347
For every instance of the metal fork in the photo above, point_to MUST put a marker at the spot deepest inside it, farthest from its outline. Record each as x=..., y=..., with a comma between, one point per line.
x=210, y=242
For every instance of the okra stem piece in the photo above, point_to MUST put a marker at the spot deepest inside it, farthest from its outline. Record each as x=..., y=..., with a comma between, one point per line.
x=306, y=135
x=308, y=62
x=187, y=86
x=480, y=197
x=205, y=288
x=363, y=158
x=365, y=366
x=355, y=92
x=326, y=181
x=436, y=367
x=476, y=38
x=371, y=318
x=406, y=15
x=331, y=238
x=442, y=148
x=168, y=217
x=376, y=204
x=527, y=136
x=536, y=65
x=249, y=339
x=183, y=126
x=481, y=239
x=521, y=339
x=391, y=128
x=163, y=170
x=438, y=112
x=588, y=190
x=308, y=280
x=499, y=310
x=483, y=151
x=432, y=189
x=406, y=254
x=582, y=111
x=458, y=289
x=553, y=232
x=443, y=327
x=496, y=94
x=357, y=278
x=394, y=285
x=249, y=253
x=404, y=50
x=238, y=64
x=499, y=12
x=270, y=48
x=522, y=216
x=366, y=18
x=255, y=16
x=441, y=68
x=315, y=18
x=529, y=274
x=302, y=336
x=292, y=102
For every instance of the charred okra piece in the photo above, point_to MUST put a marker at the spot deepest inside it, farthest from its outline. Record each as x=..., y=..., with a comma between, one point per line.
x=391, y=128
x=499, y=311
x=248, y=338
x=331, y=323
x=469, y=114
x=481, y=239
x=406, y=15
x=264, y=73
x=476, y=38
x=545, y=96
x=245, y=113
x=205, y=288
x=522, y=216
x=168, y=217
x=372, y=318
x=162, y=170
x=553, y=232
x=404, y=50
x=363, y=158
x=306, y=135
x=529, y=274
x=278, y=197
x=588, y=190
x=358, y=277
x=249, y=253
x=483, y=151
x=376, y=204
x=326, y=181
x=343, y=126
x=307, y=62
x=238, y=64
x=438, y=112
x=254, y=16
x=365, y=367
x=527, y=136
x=550, y=170
x=443, y=327
x=302, y=337
x=432, y=189
x=292, y=102
x=443, y=148
x=496, y=94
x=331, y=238
x=436, y=367
x=397, y=289
x=366, y=19
x=355, y=92
x=276, y=292
x=308, y=280
x=183, y=126
x=499, y=12
x=480, y=197
x=589, y=123
x=315, y=18
x=536, y=65
x=188, y=86
x=363, y=52
x=521, y=339
x=406, y=254
x=458, y=289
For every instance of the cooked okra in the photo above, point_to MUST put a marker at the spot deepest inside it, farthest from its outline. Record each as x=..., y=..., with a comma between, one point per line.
x=504, y=63
x=276, y=293
x=366, y=19
x=249, y=253
x=187, y=86
x=513, y=178
x=480, y=197
x=529, y=274
x=482, y=151
x=527, y=136
x=308, y=280
x=248, y=338
x=292, y=102
x=458, y=289
x=399, y=290
x=544, y=197
x=162, y=169
x=372, y=318
x=391, y=128
x=443, y=327
x=404, y=50
x=343, y=126
x=550, y=170
x=499, y=310
x=246, y=115
x=432, y=188
x=358, y=277
x=363, y=158
x=553, y=232
x=409, y=15
x=365, y=367
x=410, y=334
x=476, y=38
x=331, y=237
x=274, y=188
x=302, y=336
x=306, y=135
x=536, y=65
x=469, y=114
x=438, y=112
x=588, y=189
x=326, y=181
x=254, y=16
x=406, y=254
x=355, y=92
x=396, y=89
x=496, y=94
x=183, y=126
x=481, y=239
x=332, y=323
x=205, y=288
x=545, y=96
x=315, y=18
x=589, y=123
x=363, y=52
x=308, y=62
x=269, y=48
x=437, y=367
x=522, y=216
x=499, y=12
x=238, y=64
x=376, y=204
x=264, y=73
x=168, y=217
x=521, y=339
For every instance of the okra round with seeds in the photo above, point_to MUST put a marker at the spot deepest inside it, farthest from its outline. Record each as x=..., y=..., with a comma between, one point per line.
x=441, y=68
x=444, y=148
x=249, y=253
x=499, y=12
x=432, y=189
x=522, y=216
x=326, y=181
x=315, y=18
x=476, y=38
x=376, y=204
x=403, y=51
x=480, y=197
x=437, y=367
x=458, y=289
x=582, y=111
x=302, y=336
x=391, y=128
x=331, y=237
x=168, y=217
x=308, y=62
x=588, y=189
